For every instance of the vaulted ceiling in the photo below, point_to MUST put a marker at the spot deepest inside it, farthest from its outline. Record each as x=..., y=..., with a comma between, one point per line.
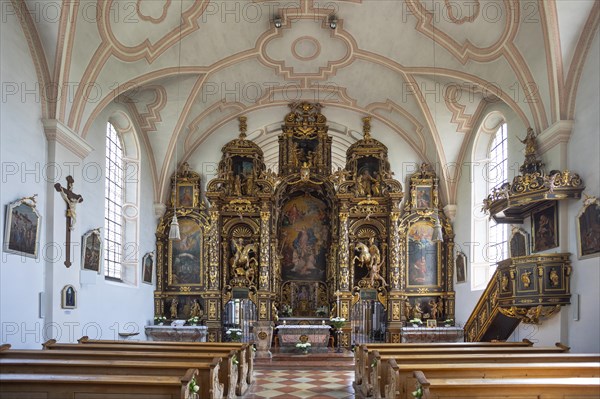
x=424, y=69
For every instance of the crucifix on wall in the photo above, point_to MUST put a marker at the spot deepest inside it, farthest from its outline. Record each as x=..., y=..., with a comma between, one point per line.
x=72, y=200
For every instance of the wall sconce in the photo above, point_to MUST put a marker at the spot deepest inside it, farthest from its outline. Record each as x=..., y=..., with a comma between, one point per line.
x=277, y=22
x=333, y=21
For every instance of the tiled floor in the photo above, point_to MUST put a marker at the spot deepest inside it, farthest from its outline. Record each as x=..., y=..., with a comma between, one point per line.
x=292, y=384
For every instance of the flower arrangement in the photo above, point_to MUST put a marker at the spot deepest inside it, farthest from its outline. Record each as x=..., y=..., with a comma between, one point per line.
x=192, y=321
x=286, y=310
x=303, y=346
x=193, y=386
x=159, y=320
x=321, y=311
x=416, y=322
x=337, y=322
x=448, y=322
x=418, y=393
x=234, y=334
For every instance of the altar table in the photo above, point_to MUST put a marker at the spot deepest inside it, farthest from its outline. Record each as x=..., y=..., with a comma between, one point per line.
x=432, y=334
x=317, y=335
x=177, y=333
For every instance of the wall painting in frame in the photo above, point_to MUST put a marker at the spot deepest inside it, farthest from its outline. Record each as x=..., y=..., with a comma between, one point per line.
x=544, y=227
x=22, y=230
x=588, y=229
x=91, y=255
x=461, y=267
x=68, y=297
x=185, y=255
x=148, y=268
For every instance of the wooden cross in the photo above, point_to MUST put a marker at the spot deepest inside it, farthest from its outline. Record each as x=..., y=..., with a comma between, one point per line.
x=72, y=200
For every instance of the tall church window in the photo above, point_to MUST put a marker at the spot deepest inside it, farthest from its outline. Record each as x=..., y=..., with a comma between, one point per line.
x=497, y=176
x=113, y=204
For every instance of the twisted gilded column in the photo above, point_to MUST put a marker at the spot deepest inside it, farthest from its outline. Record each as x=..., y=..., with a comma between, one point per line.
x=265, y=258
x=344, y=271
x=213, y=245
x=394, y=252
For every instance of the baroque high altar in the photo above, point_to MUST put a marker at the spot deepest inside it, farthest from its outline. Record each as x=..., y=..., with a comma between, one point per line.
x=305, y=240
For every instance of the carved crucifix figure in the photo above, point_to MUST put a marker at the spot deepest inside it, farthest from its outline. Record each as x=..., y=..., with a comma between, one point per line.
x=72, y=200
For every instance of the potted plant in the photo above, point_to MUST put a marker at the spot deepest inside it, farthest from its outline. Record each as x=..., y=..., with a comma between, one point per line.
x=286, y=310
x=321, y=311
x=234, y=334
x=416, y=322
x=448, y=322
x=159, y=320
x=303, y=346
x=193, y=321
x=337, y=322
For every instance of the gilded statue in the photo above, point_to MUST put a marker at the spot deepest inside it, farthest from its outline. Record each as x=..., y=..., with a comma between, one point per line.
x=433, y=309
x=407, y=308
x=249, y=184
x=242, y=262
x=374, y=274
x=530, y=143
x=364, y=258
x=374, y=251
x=525, y=279
x=237, y=185
x=196, y=310
x=173, y=309
x=417, y=311
x=554, y=279
x=504, y=282
x=274, y=312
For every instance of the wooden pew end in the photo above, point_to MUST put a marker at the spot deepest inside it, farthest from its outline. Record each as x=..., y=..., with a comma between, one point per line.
x=48, y=343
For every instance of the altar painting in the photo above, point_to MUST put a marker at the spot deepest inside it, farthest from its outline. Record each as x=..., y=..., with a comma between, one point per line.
x=304, y=237
x=185, y=255
x=422, y=255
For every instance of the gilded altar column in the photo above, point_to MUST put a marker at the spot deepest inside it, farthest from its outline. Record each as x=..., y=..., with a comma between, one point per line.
x=396, y=299
x=265, y=258
x=344, y=272
x=213, y=294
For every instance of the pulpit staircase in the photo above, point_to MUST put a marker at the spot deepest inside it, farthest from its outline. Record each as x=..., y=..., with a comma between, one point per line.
x=523, y=289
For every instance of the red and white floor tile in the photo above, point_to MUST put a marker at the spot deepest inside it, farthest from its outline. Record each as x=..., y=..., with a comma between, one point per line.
x=293, y=384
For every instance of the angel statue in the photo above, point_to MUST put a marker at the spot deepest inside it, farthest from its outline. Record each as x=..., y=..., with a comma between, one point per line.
x=243, y=262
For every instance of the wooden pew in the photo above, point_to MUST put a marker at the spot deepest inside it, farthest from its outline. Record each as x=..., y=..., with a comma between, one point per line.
x=365, y=368
x=246, y=363
x=400, y=382
x=53, y=386
x=360, y=360
x=234, y=373
x=209, y=366
x=523, y=388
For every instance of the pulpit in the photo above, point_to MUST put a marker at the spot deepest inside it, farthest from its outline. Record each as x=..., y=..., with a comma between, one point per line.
x=177, y=333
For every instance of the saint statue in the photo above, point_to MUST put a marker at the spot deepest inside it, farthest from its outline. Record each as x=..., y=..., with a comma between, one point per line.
x=174, y=304
x=196, y=310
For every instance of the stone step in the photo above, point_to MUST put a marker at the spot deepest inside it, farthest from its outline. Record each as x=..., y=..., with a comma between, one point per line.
x=326, y=361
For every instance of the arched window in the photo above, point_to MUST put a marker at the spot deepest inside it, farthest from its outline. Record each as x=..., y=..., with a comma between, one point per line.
x=488, y=243
x=113, y=204
x=497, y=176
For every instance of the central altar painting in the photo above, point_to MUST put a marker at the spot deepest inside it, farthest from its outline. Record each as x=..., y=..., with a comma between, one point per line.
x=304, y=237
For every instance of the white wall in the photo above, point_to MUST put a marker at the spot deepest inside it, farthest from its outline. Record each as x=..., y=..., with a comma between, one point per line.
x=583, y=158
x=23, y=152
x=104, y=308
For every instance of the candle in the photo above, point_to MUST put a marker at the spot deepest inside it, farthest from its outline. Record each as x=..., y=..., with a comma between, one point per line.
x=337, y=293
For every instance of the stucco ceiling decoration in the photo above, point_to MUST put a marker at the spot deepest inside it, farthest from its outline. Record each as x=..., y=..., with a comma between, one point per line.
x=151, y=37
x=148, y=104
x=330, y=51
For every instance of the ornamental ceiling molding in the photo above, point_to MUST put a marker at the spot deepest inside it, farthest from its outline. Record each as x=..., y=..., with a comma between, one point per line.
x=146, y=49
x=462, y=119
x=554, y=61
x=149, y=18
x=147, y=120
x=64, y=49
x=391, y=106
x=57, y=131
x=324, y=71
x=466, y=51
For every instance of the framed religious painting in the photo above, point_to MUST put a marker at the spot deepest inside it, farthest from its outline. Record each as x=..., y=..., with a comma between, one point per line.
x=91, y=254
x=186, y=197
x=68, y=297
x=22, y=230
x=519, y=243
x=461, y=267
x=588, y=229
x=185, y=255
x=148, y=268
x=544, y=227
x=424, y=256
x=423, y=197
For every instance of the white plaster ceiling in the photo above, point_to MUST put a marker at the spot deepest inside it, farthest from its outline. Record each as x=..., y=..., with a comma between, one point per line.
x=424, y=69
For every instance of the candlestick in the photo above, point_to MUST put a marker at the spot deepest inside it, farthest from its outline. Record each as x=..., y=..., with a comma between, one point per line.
x=337, y=294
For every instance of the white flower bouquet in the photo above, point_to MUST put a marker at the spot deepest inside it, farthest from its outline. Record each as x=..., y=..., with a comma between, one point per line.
x=337, y=322
x=234, y=334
